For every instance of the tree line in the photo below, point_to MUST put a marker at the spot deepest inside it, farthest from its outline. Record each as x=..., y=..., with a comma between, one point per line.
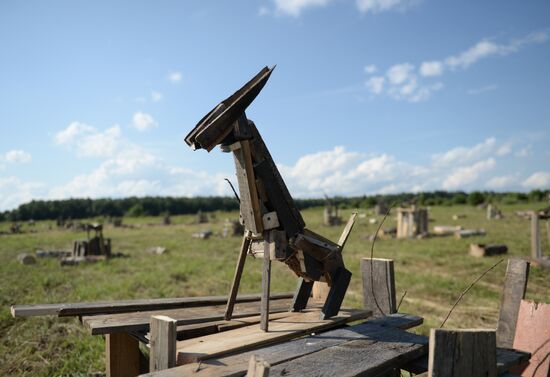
x=155, y=206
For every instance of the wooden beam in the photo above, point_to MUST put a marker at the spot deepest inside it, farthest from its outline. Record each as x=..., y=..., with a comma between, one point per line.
x=347, y=230
x=122, y=355
x=257, y=367
x=162, y=341
x=462, y=353
x=535, y=236
x=128, y=306
x=378, y=286
x=266, y=282
x=237, y=277
x=251, y=337
x=515, y=284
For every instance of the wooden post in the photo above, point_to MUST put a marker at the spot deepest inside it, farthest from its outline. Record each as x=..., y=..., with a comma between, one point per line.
x=266, y=281
x=122, y=355
x=162, y=342
x=515, y=284
x=378, y=279
x=320, y=291
x=257, y=367
x=535, y=236
x=469, y=353
x=237, y=277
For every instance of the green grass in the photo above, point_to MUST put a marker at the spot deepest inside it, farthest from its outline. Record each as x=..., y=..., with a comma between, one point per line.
x=433, y=271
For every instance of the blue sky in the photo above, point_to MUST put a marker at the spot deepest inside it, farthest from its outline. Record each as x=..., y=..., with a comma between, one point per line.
x=369, y=96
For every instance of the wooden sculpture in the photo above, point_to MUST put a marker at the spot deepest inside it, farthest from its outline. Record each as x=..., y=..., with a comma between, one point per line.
x=272, y=222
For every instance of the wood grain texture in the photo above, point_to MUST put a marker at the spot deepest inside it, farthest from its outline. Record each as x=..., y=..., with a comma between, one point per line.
x=250, y=337
x=122, y=355
x=162, y=343
x=266, y=283
x=127, y=306
x=139, y=321
x=457, y=353
x=236, y=365
x=515, y=285
x=378, y=286
x=257, y=367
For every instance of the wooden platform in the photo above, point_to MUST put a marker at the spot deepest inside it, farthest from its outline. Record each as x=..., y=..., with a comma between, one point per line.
x=249, y=337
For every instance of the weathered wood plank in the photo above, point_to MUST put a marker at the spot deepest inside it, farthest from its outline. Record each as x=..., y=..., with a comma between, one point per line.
x=162, y=343
x=347, y=231
x=237, y=277
x=122, y=355
x=257, y=367
x=236, y=365
x=139, y=321
x=250, y=337
x=266, y=282
x=126, y=306
x=515, y=284
x=456, y=353
x=378, y=286
x=379, y=352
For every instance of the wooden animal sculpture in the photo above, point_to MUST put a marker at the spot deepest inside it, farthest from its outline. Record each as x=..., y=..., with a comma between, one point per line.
x=273, y=225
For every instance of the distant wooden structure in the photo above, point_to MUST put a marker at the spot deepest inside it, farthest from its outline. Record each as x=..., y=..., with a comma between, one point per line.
x=412, y=222
x=536, y=250
x=330, y=213
x=482, y=250
x=94, y=248
x=380, y=209
x=493, y=213
x=201, y=218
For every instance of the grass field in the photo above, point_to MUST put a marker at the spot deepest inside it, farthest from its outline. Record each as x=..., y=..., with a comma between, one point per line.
x=433, y=271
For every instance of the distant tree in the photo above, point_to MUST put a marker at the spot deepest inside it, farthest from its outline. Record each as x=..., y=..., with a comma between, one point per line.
x=136, y=210
x=536, y=195
x=475, y=198
x=460, y=198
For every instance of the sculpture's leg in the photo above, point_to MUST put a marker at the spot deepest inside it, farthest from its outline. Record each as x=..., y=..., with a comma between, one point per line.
x=237, y=278
x=266, y=281
x=340, y=282
x=301, y=297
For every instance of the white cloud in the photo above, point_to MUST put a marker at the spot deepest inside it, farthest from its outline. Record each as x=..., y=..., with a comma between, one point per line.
x=540, y=180
x=501, y=182
x=296, y=7
x=156, y=96
x=465, y=154
x=405, y=83
x=18, y=156
x=376, y=6
x=174, y=77
x=143, y=121
x=14, y=191
x=375, y=84
x=505, y=149
x=88, y=141
x=263, y=11
x=463, y=177
x=433, y=68
x=72, y=131
x=369, y=69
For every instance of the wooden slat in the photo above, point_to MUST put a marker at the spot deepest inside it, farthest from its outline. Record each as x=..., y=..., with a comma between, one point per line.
x=109, y=307
x=515, y=284
x=462, y=353
x=237, y=277
x=257, y=367
x=249, y=337
x=122, y=355
x=266, y=285
x=139, y=321
x=378, y=286
x=163, y=343
x=236, y=365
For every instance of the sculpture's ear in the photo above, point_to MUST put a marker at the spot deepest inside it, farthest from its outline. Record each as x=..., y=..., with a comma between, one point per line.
x=347, y=231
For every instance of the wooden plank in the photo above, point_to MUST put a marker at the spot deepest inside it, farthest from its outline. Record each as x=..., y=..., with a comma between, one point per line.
x=250, y=337
x=139, y=321
x=506, y=360
x=266, y=282
x=347, y=230
x=237, y=277
x=122, y=355
x=236, y=365
x=515, y=285
x=378, y=286
x=162, y=343
x=456, y=353
x=257, y=367
x=533, y=335
x=340, y=283
x=378, y=353
x=535, y=236
x=250, y=205
x=126, y=306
